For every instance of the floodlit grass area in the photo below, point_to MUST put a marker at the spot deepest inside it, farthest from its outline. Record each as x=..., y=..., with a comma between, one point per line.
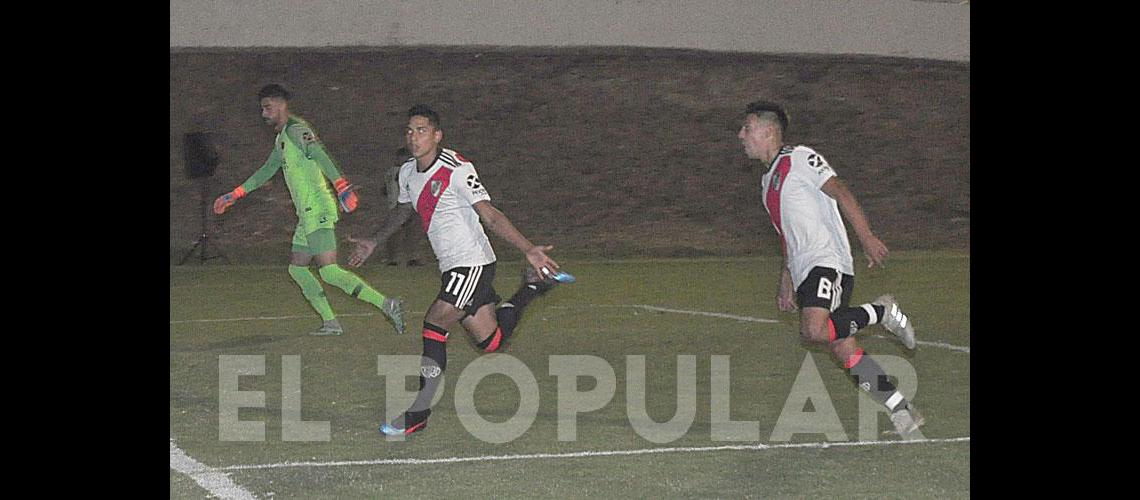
x=719, y=313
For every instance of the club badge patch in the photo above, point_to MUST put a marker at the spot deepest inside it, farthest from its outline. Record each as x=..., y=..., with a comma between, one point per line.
x=436, y=187
x=308, y=136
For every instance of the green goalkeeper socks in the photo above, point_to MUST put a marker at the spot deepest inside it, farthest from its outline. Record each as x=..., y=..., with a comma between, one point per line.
x=333, y=275
x=312, y=290
x=351, y=284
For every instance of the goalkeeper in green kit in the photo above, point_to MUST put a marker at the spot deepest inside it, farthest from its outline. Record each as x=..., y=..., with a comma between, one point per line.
x=299, y=154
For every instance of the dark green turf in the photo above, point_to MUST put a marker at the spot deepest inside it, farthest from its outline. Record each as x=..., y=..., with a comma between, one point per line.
x=594, y=317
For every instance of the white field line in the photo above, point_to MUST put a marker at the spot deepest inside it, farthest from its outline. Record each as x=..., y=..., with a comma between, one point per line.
x=635, y=306
x=212, y=480
x=937, y=344
x=752, y=319
x=586, y=454
x=683, y=311
x=261, y=318
x=592, y=306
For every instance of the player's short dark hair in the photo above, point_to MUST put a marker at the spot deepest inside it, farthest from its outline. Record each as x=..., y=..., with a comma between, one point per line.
x=274, y=90
x=771, y=109
x=426, y=112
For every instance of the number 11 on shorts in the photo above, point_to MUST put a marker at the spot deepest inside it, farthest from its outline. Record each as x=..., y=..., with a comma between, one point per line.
x=455, y=284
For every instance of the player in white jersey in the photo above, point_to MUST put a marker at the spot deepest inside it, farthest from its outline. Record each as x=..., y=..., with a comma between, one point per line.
x=803, y=198
x=443, y=188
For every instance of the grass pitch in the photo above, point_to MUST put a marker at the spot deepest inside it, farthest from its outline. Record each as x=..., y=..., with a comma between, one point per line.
x=659, y=310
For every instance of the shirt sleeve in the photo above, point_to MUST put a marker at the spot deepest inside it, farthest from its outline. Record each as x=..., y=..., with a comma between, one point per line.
x=467, y=184
x=405, y=195
x=307, y=141
x=263, y=174
x=812, y=167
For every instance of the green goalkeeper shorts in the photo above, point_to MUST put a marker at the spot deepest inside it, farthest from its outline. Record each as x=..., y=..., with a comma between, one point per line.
x=320, y=240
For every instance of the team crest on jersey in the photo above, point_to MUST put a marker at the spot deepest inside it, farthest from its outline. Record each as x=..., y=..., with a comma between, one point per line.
x=775, y=181
x=308, y=136
x=436, y=187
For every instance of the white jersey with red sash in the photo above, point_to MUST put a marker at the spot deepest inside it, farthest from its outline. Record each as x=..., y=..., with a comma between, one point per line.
x=444, y=197
x=806, y=218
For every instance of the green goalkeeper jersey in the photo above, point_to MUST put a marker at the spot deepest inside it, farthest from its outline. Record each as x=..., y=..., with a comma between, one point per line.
x=298, y=152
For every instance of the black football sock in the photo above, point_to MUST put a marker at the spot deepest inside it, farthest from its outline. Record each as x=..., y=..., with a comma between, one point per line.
x=526, y=293
x=510, y=312
x=849, y=320
x=871, y=378
x=432, y=365
x=508, y=315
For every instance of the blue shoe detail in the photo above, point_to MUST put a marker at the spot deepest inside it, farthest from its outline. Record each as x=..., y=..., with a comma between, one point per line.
x=563, y=277
x=387, y=430
x=391, y=430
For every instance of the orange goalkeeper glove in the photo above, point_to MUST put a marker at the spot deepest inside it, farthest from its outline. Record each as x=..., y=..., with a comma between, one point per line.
x=345, y=195
x=227, y=200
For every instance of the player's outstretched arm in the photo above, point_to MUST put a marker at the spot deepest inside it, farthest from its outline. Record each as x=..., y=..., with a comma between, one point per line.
x=499, y=224
x=260, y=177
x=875, y=249
x=365, y=246
x=225, y=201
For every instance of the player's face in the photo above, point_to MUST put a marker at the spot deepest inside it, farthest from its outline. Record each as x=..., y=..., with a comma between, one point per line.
x=421, y=137
x=752, y=135
x=274, y=113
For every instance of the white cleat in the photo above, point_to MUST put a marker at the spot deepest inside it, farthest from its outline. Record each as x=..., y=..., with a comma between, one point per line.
x=906, y=425
x=919, y=419
x=328, y=329
x=895, y=321
x=393, y=308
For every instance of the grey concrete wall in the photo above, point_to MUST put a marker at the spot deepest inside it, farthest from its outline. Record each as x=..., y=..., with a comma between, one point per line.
x=905, y=28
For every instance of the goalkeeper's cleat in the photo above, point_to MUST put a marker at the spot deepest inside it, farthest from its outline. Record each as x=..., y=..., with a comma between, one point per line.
x=329, y=328
x=408, y=423
x=346, y=195
x=895, y=321
x=394, y=309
